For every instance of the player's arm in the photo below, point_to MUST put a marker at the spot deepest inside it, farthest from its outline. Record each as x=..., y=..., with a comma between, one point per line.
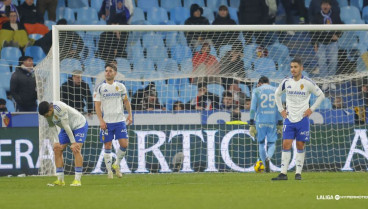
x=97, y=99
x=253, y=109
x=278, y=94
x=314, y=89
x=128, y=107
x=52, y=130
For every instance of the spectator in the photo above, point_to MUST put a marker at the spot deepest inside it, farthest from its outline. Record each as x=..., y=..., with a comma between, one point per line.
x=6, y=7
x=365, y=94
x=109, y=8
x=204, y=65
x=300, y=8
x=49, y=6
x=31, y=18
x=112, y=44
x=204, y=100
x=138, y=97
x=254, y=13
x=76, y=93
x=150, y=102
x=228, y=103
x=315, y=8
x=223, y=18
x=196, y=18
x=13, y=33
x=23, y=86
x=238, y=95
x=3, y=105
x=338, y=103
x=178, y=105
x=247, y=104
x=325, y=43
x=232, y=64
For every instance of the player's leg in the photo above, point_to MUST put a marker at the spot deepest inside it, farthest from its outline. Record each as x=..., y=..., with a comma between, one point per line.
x=261, y=135
x=302, y=137
x=59, y=162
x=271, y=139
x=80, y=136
x=122, y=134
x=106, y=138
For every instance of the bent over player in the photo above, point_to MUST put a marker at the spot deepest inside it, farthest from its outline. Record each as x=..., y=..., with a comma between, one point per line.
x=74, y=129
x=296, y=125
x=109, y=97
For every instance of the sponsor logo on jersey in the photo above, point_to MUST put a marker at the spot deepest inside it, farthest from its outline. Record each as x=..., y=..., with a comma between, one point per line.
x=289, y=87
x=56, y=117
x=117, y=88
x=105, y=90
x=301, y=86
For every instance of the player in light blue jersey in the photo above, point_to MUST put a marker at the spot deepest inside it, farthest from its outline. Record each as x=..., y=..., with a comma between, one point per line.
x=109, y=97
x=264, y=118
x=298, y=91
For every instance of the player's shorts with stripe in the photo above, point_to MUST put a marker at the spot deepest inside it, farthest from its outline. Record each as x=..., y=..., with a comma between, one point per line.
x=114, y=130
x=266, y=130
x=80, y=135
x=298, y=130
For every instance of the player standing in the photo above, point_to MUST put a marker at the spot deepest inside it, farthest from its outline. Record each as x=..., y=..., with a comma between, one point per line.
x=109, y=97
x=263, y=119
x=296, y=125
x=74, y=129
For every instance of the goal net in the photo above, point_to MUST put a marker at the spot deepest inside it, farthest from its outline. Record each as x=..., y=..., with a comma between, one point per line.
x=186, y=82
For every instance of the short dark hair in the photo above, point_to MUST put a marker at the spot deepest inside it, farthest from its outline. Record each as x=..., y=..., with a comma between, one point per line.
x=112, y=66
x=263, y=79
x=201, y=85
x=43, y=108
x=227, y=94
x=2, y=101
x=326, y=2
x=62, y=22
x=297, y=60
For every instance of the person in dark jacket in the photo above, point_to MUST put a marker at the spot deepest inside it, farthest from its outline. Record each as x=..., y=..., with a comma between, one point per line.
x=204, y=100
x=76, y=93
x=325, y=43
x=315, y=8
x=196, y=18
x=13, y=24
x=23, y=86
x=223, y=18
x=29, y=14
x=253, y=13
x=232, y=64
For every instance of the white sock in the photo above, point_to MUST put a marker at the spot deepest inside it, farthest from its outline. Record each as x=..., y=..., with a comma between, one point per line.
x=78, y=173
x=285, y=160
x=108, y=161
x=60, y=174
x=120, y=154
x=299, y=161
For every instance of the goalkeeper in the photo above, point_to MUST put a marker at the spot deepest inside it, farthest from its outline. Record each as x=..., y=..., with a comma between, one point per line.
x=263, y=119
x=74, y=129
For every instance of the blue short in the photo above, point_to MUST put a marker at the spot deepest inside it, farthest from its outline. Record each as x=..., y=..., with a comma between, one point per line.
x=118, y=130
x=80, y=135
x=298, y=130
x=266, y=130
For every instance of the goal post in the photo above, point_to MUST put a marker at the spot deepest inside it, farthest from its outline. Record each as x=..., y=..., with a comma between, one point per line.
x=163, y=66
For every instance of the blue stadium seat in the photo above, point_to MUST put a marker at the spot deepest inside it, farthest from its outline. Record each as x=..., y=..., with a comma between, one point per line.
x=264, y=66
x=4, y=66
x=169, y=66
x=59, y=13
x=223, y=50
x=348, y=40
x=49, y=24
x=234, y=3
x=96, y=4
x=348, y=12
x=94, y=66
x=35, y=36
x=357, y=3
x=68, y=65
x=182, y=40
x=343, y=3
x=278, y=52
x=179, y=82
x=216, y=89
x=208, y=13
x=78, y=4
x=143, y=65
x=171, y=39
x=188, y=3
x=133, y=86
x=325, y=104
x=86, y=15
x=179, y=15
x=2, y=93
x=151, y=39
x=138, y=17
x=233, y=12
x=145, y=5
x=10, y=105
x=5, y=80
x=69, y=15
x=36, y=52
x=165, y=93
x=188, y=92
x=135, y=52
x=365, y=14
x=11, y=55
x=170, y=4
x=123, y=65
x=61, y=3
x=307, y=3
x=249, y=54
x=180, y=53
x=245, y=89
x=354, y=21
x=186, y=66
x=156, y=53
x=157, y=16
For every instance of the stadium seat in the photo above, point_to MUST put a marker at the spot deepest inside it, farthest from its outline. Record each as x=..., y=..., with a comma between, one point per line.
x=123, y=65
x=166, y=92
x=307, y=3
x=69, y=15
x=135, y=52
x=178, y=82
x=133, y=86
x=5, y=80
x=365, y=14
x=325, y=104
x=233, y=12
x=245, y=89
x=143, y=65
x=97, y=4
x=180, y=53
x=145, y=5
x=59, y=13
x=49, y=24
x=208, y=13
x=11, y=55
x=68, y=65
x=151, y=39
x=188, y=3
x=86, y=15
x=168, y=66
x=36, y=52
x=35, y=36
x=264, y=66
x=343, y=3
x=170, y=4
x=216, y=89
x=94, y=66
x=188, y=92
x=138, y=17
x=278, y=52
x=10, y=105
x=354, y=21
x=179, y=15
x=171, y=39
x=2, y=93
x=156, y=53
x=186, y=66
x=348, y=40
x=157, y=16
x=357, y=3
x=249, y=54
x=234, y=3
x=348, y=12
x=223, y=50
x=4, y=66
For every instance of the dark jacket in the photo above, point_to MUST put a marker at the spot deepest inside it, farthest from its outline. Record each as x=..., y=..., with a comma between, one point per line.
x=77, y=96
x=45, y=42
x=6, y=26
x=219, y=37
x=325, y=37
x=196, y=21
x=29, y=14
x=209, y=101
x=109, y=44
x=253, y=12
x=23, y=88
x=315, y=8
x=223, y=20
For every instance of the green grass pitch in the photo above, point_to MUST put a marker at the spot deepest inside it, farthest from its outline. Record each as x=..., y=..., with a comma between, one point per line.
x=197, y=190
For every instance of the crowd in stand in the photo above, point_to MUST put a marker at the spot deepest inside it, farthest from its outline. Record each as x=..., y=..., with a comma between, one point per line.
x=19, y=22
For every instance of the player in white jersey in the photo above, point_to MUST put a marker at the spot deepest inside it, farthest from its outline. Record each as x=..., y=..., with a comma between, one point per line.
x=109, y=98
x=74, y=129
x=296, y=125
